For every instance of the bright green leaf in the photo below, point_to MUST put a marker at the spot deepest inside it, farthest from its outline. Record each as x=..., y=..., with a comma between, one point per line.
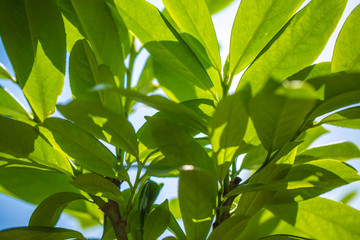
x=346, y=55
x=37, y=51
x=309, y=136
x=255, y=24
x=284, y=237
x=47, y=213
x=44, y=233
x=157, y=221
x=4, y=73
x=299, y=44
x=217, y=5
x=197, y=198
x=230, y=229
x=349, y=118
x=102, y=123
x=11, y=107
x=145, y=84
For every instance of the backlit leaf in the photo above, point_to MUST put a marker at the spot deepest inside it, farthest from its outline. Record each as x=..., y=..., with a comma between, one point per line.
x=157, y=221
x=349, y=118
x=11, y=107
x=35, y=233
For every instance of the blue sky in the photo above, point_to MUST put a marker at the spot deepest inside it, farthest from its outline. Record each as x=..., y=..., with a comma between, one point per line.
x=17, y=213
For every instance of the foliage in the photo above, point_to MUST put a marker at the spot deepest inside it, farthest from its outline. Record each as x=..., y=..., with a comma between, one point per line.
x=200, y=129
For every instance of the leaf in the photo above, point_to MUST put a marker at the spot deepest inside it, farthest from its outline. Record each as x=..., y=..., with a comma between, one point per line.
x=197, y=198
x=4, y=73
x=11, y=107
x=47, y=213
x=157, y=221
x=102, y=124
x=309, y=136
x=85, y=73
x=230, y=229
x=313, y=71
x=298, y=46
x=284, y=237
x=346, y=55
x=177, y=145
x=255, y=24
x=349, y=118
x=227, y=129
x=217, y=5
x=98, y=186
x=339, y=151
x=176, y=229
x=95, y=21
x=22, y=140
x=340, y=223
x=194, y=20
x=81, y=147
x=147, y=197
x=145, y=84
x=45, y=233
x=277, y=114
x=149, y=26
x=37, y=52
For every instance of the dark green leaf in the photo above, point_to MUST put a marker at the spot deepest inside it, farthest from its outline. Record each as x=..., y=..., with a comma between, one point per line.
x=147, y=198
x=349, y=118
x=11, y=107
x=102, y=123
x=346, y=55
x=298, y=46
x=256, y=23
x=327, y=219
x=98, y=186
x=37, y=51
x=157, y=221
x=230, y=229
x=4, y=73
x=24, y=141
x=47, y=213
x=197, y=198
x=175, y=228
x=43, y=233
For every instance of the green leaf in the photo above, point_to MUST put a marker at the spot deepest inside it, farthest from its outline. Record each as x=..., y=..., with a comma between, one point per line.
x=217, y=5
x=194, y=20
x=349, y=118
x=95, y=21
x=284, y=237
x=313, y=71
x=227, y=129
x=150, y=27
x=147, y=197
x=44, y=233
x=157, y=221
x=254, y=158
x=338, y=151
x=81, y=147
x=98, y=186
x=175, y=228
x=22, y=140
x=47, y=213
x=85, y=73
x=255, y=24
x=11, y=107
x=37, y=52
x=314, y=218
x=346, y=55
x=4, y=73
x=278, y=113
x=197, y=198
x=177, y=145
x=102, y=123
x=309, y=136
x=230, y=229
x=145, y=84
x=299, y=44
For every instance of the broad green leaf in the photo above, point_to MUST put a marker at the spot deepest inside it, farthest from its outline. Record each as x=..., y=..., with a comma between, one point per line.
x=321, y=218
x=9, y=161
x=338, y=151
x=147, y=197
x=175, y=208
x=98, y=186
x=81, y=147
x=24, y=141
x=95, y=21
x=254, y=158
x=85, y=73
x=349, y=118
x=284, y=237
x=177, y=145
x=37, y=51
x=47, y=213
x=151, y=28
x=278, y=112
x=44, y=233
x=145, y=84
x=4, y=73
x=309, y=136
x=227, y=129
x=11, y=107
x=346, y=55
x=157, y=221
x=33, y=186
x=194, y=20
x=230, y=229
x=250, y=203
x=197, y=198
x=313, y=71
x=217, y=5
x=255, y=24
x=175, y=86
x=175, y=228
x=299, y=44
x=102, y=123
